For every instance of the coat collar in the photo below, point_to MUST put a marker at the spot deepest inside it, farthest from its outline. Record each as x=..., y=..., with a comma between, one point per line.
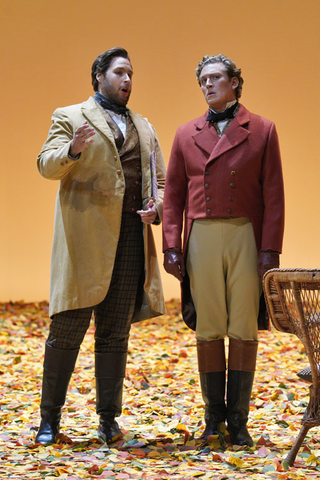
x=93, y=113
x=209, y=141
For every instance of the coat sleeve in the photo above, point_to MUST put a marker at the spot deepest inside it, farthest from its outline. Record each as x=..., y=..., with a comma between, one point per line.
x=174, y=197
x=53, y=161
x=273, y=195
x=161, y=176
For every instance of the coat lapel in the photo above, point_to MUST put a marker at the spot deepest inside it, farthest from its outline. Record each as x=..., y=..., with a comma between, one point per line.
x=144, y=133
x=208, y=139
x=95, y=116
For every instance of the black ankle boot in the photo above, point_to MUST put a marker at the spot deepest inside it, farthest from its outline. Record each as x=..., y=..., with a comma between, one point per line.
x=57, y=370
x=110, y=373
x=213, y=393
x=238, y=400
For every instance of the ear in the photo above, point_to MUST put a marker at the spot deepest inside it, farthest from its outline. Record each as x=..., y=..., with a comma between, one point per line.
x=234, y=82
x=99, y=76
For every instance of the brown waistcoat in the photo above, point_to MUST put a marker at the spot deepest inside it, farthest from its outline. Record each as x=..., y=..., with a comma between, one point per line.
x=130, y=157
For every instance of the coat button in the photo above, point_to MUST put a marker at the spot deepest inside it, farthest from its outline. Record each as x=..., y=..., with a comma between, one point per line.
x=119, y=172
x=232, y=185
x=206, y=172
x=207, y=185
x=138, y=167
x=208, y=199
x=229, y=210
x=230, y=198
x=233, y=172
x=136, y=182
x=115, y=158
x=208, y=211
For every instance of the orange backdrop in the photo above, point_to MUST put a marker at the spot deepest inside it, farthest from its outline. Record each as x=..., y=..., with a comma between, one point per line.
x=48, y=49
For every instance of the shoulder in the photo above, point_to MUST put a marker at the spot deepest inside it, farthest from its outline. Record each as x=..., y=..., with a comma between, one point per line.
x=142, y=123
x=253, y=117
x=192, y=125
x=72, y=110
x=68, y=109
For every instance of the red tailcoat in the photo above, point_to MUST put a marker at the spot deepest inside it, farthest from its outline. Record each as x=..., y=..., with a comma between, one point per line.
x=237, y=175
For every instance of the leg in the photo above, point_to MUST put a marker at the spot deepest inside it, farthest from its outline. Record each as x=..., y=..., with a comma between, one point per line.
x=207, y=282
x=57, y=370
x=206, y=270
x=113, y=322
x=110, y=372
x=241, y=368
x=212, y=370
x=66, y=334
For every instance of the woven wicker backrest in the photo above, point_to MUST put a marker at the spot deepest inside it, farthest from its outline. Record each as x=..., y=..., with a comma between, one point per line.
x=293, y=303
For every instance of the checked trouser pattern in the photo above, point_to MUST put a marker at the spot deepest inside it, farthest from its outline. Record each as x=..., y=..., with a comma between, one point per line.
x=112, y=317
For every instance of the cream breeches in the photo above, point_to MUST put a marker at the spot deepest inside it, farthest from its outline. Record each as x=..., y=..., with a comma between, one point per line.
x=225, y=286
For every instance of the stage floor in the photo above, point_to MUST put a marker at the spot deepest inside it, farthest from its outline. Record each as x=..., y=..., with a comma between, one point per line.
x=162, y=412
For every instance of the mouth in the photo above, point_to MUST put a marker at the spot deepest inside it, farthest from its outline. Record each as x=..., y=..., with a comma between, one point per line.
x=125, y=91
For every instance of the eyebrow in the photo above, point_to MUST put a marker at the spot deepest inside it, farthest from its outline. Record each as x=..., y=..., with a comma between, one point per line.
x=207, y=75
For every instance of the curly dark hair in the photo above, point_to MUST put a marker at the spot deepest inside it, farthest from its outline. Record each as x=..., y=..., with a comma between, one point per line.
x=229, y=65
x=103, y=62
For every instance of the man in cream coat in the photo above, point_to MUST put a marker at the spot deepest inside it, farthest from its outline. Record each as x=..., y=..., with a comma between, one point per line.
x=112, y=175
x=225, y=177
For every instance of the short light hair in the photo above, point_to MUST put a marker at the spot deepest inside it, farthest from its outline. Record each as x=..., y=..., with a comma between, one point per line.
x=229, y=65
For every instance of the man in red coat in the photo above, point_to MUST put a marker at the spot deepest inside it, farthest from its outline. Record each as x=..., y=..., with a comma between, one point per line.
x=225, y=178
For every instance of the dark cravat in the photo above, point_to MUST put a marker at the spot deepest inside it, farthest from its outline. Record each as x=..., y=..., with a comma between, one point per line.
x=105, y=103
x=217, y=117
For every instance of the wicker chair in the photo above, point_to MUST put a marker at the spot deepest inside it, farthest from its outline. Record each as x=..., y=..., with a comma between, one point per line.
x=293, y=303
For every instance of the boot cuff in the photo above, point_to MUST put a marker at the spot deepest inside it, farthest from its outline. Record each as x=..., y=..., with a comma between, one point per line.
x=242, y=355
x=211, y=356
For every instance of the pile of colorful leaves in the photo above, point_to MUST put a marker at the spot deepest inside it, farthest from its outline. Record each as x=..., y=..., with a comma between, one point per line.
x=163, y=411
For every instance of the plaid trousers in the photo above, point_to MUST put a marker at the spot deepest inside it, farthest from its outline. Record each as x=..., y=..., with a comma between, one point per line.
x=112, y=317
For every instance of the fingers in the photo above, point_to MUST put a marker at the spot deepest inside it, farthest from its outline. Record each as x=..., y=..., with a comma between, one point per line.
x=84, y=132
x=174, y=264
x=150, y=204
x=81, y=139
x=149, y=215
x=175, y=271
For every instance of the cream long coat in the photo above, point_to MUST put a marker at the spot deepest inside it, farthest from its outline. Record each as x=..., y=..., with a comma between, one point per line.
x=89, y=207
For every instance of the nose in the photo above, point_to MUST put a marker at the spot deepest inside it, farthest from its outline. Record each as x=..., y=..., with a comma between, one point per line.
x=208, y=82
x=127, y=79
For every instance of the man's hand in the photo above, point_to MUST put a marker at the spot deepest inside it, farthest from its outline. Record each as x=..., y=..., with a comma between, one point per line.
x=174, y=263
x=81, y=139
x=150, y=214
x=267, y=259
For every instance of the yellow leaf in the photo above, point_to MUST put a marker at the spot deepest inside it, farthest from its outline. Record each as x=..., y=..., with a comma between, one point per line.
x=313, y=459
x=236, y=461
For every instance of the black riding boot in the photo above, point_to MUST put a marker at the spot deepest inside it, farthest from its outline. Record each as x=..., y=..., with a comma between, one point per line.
x=110, y=373
x=241, y=368
x=212, y=370
x=57, y=370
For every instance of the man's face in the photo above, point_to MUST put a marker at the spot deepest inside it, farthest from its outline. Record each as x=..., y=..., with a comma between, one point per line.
x=116, y=82
x=216, y=86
